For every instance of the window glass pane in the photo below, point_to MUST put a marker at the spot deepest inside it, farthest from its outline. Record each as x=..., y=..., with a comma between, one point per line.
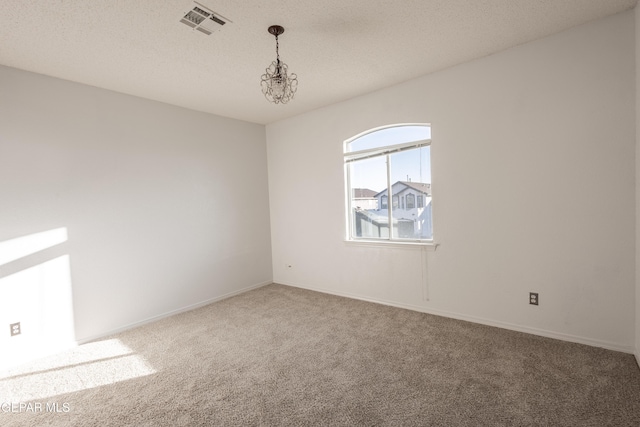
x=411, y=201
x=368, y=179
x=384, y=200
x=411, y=180
x=408, y=208
x=390, y=136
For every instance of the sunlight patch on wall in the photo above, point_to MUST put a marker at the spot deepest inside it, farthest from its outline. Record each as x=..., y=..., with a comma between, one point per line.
x=84, y=367
x=40, y=299
x=11, y=250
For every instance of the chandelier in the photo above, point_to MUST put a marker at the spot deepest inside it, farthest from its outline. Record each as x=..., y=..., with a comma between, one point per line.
x=278, y=86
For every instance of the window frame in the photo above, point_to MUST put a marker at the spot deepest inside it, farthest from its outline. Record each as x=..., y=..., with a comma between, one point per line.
x=351, y=156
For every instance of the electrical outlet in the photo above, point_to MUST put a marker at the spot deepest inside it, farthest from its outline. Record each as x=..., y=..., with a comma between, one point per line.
x=15, y=329
x=533, y=298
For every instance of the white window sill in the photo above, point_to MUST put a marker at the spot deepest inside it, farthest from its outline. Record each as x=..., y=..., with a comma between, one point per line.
x=429, y=246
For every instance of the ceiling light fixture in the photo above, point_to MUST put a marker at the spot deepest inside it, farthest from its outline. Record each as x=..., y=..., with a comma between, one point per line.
x=278, y=86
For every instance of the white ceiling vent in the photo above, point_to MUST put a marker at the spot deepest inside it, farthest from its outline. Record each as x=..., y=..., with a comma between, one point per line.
x=203, y=19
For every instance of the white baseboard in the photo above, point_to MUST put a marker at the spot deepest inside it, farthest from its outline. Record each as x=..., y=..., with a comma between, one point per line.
x=483, y=321
x=170, y=313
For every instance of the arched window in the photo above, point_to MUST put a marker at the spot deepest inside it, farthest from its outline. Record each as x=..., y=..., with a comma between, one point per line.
x=391, y=161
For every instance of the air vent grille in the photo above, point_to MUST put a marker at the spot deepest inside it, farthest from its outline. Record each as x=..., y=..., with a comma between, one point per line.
x=194, y=17
x=218, y=20
x=203, y=19
x=201, y=12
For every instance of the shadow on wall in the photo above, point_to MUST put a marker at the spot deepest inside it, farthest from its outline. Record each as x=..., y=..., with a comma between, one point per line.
x=35, y=291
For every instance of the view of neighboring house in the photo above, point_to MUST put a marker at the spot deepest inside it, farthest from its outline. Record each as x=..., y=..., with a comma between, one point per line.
x=405, y=195
x=410, y=214
x=364, y=198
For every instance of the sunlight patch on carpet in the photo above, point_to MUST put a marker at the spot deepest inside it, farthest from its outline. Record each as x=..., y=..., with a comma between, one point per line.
x=85, y=367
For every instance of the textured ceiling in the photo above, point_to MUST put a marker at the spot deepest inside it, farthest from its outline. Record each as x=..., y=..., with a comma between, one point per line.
x=339, y=49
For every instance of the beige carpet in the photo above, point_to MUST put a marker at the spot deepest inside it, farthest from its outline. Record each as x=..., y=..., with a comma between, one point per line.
x=284, y=356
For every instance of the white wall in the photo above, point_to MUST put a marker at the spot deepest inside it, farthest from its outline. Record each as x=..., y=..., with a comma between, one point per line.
x=547, y=130
x=164, y=208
